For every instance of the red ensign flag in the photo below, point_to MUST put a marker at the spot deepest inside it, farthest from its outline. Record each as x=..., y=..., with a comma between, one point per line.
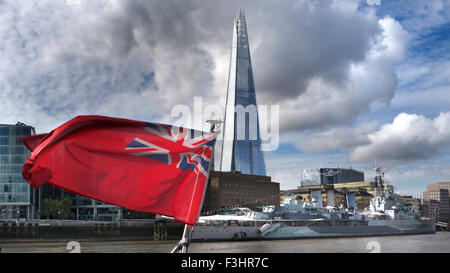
x=137, y=165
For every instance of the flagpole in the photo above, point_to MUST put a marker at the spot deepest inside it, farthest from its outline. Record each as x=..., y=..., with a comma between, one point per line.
x=183, y=244
x=187, y=234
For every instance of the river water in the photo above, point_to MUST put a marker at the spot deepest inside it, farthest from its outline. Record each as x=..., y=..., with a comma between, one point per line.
x=424, y=243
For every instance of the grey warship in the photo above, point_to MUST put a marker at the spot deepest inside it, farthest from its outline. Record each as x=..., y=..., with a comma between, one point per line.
x=294, y=219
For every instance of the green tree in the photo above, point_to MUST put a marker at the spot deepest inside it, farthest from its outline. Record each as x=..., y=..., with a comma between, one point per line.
x=131, y=214
x=57, y=209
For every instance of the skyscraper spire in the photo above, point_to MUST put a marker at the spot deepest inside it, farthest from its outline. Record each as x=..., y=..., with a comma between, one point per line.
x=241, y=14
x=241, y=154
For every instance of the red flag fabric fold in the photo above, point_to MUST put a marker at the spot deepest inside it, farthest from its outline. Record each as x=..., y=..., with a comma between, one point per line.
x=31, y=142
x=141, y=166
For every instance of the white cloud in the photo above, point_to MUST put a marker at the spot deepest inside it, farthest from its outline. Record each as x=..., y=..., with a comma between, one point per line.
x=408, y=137
x=61, y=59
x=370, y=81
x=336, y=138
x=394, y=39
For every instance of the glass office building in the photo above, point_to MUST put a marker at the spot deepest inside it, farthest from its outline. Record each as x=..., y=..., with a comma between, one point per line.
x=15, y=192
x=90, y=210
x=241, y=147
x=84, y=208
x=328, y=176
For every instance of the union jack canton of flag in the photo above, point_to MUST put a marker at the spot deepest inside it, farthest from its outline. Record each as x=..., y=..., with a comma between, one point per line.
x=184, y=148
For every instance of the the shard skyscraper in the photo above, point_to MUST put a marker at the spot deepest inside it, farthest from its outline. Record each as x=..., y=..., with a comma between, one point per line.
x=241, y=148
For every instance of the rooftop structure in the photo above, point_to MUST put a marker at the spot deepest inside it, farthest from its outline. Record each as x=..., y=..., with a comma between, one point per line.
x=328, y=176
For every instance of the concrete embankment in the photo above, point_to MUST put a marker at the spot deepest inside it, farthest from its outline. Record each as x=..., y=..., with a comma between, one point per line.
x=53, y=230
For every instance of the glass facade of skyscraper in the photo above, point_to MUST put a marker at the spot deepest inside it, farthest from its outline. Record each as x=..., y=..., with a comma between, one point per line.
x=328, y=176
x=241, y=148
x=15, y=192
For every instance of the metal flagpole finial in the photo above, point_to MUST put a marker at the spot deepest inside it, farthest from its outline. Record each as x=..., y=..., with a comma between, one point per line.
x=215, y=125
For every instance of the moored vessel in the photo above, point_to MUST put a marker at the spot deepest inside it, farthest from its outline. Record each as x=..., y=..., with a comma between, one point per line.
x=294, y=219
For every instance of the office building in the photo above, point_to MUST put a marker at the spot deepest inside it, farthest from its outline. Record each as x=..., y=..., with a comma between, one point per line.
x=16, y=195
x=330, y=176
x=436, y=199
x=241, y=148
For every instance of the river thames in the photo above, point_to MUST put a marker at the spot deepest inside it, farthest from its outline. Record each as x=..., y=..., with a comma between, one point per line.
x=425, y=243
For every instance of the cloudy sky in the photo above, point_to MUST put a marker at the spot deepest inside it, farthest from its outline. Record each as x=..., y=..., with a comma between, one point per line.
x=355, y=82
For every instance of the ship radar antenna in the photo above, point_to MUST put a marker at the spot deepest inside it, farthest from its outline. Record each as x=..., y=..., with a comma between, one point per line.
x=380, y=181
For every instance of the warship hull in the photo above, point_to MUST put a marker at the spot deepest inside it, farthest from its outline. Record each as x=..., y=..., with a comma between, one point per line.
x=306, y=229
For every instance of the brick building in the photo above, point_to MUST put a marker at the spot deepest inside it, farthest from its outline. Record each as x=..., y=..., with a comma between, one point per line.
x=436, y=199
x=234, y=189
